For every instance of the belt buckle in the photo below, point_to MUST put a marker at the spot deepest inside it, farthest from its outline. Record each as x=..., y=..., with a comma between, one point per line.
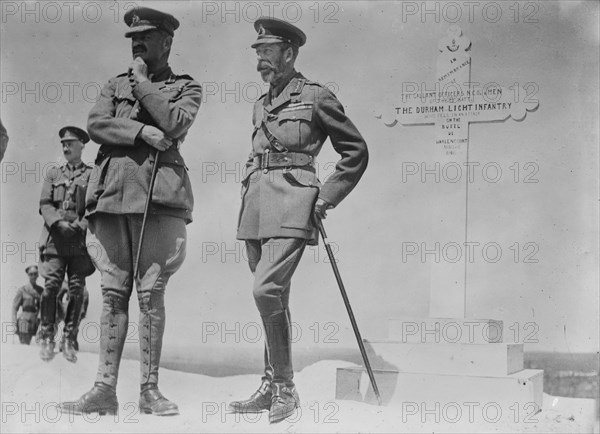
x=65, y=205
x=265, y=161
x=290, y=161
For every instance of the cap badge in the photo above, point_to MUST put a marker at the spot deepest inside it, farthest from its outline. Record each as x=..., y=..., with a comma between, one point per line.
x=135, y=19
x=261, y=30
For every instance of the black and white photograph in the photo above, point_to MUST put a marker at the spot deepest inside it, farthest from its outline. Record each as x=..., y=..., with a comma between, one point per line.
x=300, y=216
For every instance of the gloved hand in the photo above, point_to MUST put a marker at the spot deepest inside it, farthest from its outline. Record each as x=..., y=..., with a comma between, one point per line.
x=321, y=208
x=66, y=229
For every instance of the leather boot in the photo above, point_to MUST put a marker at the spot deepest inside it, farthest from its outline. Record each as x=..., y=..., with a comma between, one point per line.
x=153, y=402
x=284, y=402
x=47, y=349
x=258, y=401
x=151, y=331
x=101, y=399
x=261, y=399
x=284, y=398
x=69, y=351
x=114, y=320
x=47, y=330
x=71, y=326
x=73, y=314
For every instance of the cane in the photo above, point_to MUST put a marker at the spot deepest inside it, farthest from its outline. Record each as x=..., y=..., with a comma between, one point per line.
x=146, y=208
x=338, y=277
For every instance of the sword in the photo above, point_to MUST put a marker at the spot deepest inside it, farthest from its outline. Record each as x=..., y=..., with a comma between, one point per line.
x=338, y=277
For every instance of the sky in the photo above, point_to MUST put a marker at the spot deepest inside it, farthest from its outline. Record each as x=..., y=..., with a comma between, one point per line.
x=538, y=214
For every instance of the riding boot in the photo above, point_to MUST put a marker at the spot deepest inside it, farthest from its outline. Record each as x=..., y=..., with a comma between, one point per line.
x=114, y=321
x=154, y=402
x=71, y=327
x=47, y=327
x=151, y=330
x=101, y=399
x=261, y=399
x=284, y=398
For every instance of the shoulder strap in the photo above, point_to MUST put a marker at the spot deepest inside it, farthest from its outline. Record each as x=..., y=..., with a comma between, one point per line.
x=295, y=94
x=274, y=141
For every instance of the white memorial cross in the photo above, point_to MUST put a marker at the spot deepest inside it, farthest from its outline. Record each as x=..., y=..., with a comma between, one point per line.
x=451, y=105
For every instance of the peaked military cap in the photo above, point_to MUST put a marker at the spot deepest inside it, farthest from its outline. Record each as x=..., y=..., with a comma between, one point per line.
x=30, y=267
x=73, y=133
x=274, y=31
x=142, y=19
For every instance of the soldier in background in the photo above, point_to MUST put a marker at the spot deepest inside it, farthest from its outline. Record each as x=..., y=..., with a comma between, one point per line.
x=62, y=243
x=28, y=300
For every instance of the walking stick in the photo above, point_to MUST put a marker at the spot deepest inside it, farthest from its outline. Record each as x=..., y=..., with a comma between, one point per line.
x=338, y=277
x=146, y=208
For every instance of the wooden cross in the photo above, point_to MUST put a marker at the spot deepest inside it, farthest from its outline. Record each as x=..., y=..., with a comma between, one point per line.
x=451, y=105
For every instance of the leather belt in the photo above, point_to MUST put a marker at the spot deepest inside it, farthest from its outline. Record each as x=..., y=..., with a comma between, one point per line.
x=65, y=205
x=273, y=160
x=29, y=309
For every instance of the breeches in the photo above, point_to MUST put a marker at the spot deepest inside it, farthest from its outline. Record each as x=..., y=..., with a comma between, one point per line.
x=273, y=262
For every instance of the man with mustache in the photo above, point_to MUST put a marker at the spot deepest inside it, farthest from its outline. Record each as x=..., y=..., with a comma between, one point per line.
x=281, y=193
x=139, y=113
x=62, y=243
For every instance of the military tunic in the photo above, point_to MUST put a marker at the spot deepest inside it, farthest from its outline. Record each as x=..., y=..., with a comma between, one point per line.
x=121, y=176
x=279, y=203
x=63, y=198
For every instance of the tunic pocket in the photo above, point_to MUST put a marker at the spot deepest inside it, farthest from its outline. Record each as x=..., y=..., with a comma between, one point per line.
x=299, y=202
x=172, y=187
x=295, y=124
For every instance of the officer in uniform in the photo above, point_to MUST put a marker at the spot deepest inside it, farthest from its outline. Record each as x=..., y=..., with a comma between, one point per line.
x=140, y=112
x=281, y=193
x=62, y=243
x=28, y=299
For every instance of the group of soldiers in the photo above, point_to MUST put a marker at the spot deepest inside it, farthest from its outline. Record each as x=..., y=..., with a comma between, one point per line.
x=62, y=254
x=135, y=227
x=26, y=314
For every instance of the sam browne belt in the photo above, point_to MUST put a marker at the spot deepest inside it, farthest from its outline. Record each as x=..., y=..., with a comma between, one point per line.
x=273, y=160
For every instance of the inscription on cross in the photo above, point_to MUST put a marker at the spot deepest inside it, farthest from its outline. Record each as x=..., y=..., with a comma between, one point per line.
x=451, y=104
